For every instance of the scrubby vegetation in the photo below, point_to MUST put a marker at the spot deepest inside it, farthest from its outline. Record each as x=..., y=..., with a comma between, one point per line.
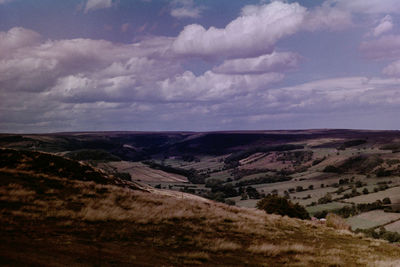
x=381, y=233
x=92, y=154
x=275, y=204
x=355, y=209
x=234, y=158
x=352, y=143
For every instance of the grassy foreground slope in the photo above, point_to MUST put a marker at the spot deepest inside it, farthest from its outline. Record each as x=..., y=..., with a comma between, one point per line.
x=58, y=212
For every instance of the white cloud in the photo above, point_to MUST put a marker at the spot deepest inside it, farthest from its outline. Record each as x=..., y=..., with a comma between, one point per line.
x=90, y=71
x=212, y=86
x=257, y=30
x=15, y=39
x=335, y=94
x=277, y=61
x=37, y=66
x=97, y=4
x=252, y=34
x=393, y=69
x=185, y=9
x=385, y=25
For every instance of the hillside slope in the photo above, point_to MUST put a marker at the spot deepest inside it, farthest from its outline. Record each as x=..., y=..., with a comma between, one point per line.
x=58, y=212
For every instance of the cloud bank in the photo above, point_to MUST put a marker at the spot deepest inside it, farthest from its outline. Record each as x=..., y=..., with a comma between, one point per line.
x=86, y=84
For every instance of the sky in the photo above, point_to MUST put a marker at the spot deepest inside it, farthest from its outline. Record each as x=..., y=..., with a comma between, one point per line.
x=198, y=65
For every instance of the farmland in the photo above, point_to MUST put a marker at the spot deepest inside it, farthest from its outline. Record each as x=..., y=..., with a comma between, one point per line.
x=347, y=172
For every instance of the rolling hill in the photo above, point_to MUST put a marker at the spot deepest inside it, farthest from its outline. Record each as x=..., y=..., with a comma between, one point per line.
x=60, y=212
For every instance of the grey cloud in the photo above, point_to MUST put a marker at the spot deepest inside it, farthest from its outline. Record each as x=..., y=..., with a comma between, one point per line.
x=327, y=17
x=97, y=4
x=185, y=9
x=40, y=66
x=368, y=6
x=392, y=69
x=386, y=47
x=15, y=39
x=214, y=87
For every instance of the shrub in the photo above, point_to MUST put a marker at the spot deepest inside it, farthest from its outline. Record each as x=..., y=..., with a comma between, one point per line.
x=252, y=192
x=280, y=205
x=381, y=233
x=326, y=199
x=340, y=190
x=299, y=188
x=124, y=176
x=318, y=161
x=331, y=168
x=92, y=154
x=381, y=172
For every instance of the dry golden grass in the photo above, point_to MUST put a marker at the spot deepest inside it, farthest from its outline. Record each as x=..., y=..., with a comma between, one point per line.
x=202, y=230
x=337, y=222
x=194, y=258
x=224, y=245
x=274, y=250
x=385, y=263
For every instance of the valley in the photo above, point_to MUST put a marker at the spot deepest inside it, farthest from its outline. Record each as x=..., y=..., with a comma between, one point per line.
x=127, y=190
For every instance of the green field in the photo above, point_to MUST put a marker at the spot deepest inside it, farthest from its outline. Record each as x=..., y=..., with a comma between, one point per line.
x=372, y=219
x=329, y=206
x=372, y=197
x=394, y=227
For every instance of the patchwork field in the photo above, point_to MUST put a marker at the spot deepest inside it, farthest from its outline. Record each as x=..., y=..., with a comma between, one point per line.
x=373, y=219
x=140, y=172
x=355, y=174
x=394, y=227
x=60, y=212
x=393, y=193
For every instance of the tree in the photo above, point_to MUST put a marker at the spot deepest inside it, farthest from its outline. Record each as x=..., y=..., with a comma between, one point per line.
x=252, y=192
x=280, y=205
x=386, y=201
x=326, y=199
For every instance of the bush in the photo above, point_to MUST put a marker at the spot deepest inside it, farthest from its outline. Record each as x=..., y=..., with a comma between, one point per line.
x=124, y=176
x=280, y=205
x=252, y=192
x=92, y=154
x=386, y=201
x=381, y=233
x=326, y=199
x=299, y=188
x=381, y=172
x=331, y=168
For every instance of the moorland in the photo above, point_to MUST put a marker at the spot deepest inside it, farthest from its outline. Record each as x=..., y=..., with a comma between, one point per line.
x=189, y=198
